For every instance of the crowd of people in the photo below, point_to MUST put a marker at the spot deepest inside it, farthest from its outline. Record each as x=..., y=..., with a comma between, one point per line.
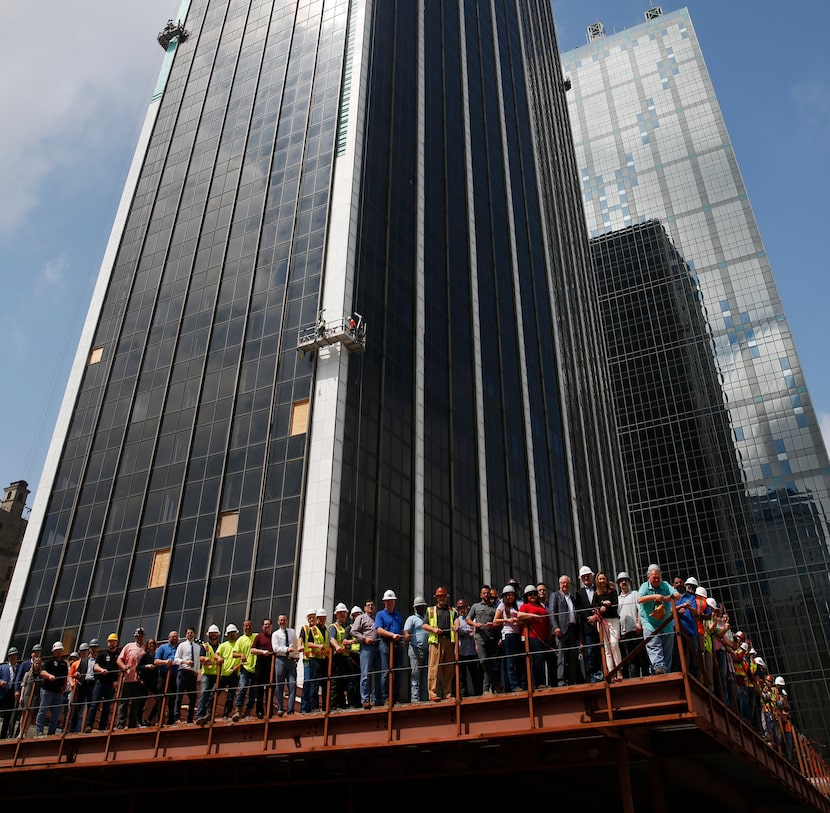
x=504, y=642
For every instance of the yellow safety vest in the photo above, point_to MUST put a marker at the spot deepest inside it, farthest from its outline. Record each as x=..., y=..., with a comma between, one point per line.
x=317, y=637
x=339, y=635
x=432, y=620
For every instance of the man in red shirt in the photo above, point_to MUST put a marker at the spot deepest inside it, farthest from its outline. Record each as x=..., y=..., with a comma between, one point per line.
x=133, y=694
x=537, y=626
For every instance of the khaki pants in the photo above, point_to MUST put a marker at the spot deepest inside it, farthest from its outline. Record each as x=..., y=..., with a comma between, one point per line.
x=441, y=664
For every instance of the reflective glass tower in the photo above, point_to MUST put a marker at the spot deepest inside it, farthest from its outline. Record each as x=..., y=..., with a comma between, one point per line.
x=651, y=143
x=683, y=478
x=304, y=161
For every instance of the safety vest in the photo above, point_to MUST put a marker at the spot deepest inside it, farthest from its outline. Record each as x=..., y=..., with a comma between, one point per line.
x=740, y=669
x=339, y=634
x=209, y=668
x=432, y=620
x=355, y=647
x=700, y=607
x=317, y=636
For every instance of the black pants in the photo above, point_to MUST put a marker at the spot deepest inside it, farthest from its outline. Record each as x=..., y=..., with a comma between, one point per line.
x=262, y=679
x=567, y=656
x=186, y=685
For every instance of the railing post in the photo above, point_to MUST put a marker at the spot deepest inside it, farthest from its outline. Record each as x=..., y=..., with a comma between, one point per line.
x=327, y=700
x=684, y=667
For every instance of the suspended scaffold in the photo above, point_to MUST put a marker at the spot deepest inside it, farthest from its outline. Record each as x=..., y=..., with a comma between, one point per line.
x=171, y=32
x=350, y=331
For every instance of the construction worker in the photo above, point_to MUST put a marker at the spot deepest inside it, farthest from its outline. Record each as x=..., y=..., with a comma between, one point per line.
x=229, y=673
x=211, y=662
x=442, y=625
x=341, y=662
x=313, y=641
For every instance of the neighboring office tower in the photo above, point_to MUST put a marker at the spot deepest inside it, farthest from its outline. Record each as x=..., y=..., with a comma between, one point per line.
x=683, y=478
x=651, y=143
x=346, y=156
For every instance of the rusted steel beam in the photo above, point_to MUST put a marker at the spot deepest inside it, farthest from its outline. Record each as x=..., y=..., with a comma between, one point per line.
x=593, y=714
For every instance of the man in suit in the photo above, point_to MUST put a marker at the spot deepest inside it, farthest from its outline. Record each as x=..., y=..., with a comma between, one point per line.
x=565, y=633
x=9, y=691
x=584, y=598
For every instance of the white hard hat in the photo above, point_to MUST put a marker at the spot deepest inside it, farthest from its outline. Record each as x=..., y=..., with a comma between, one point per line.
x=311, y=612
x=389, y=595
x=585, y=571
x=355, y=609
x=231, y=628
x=623, y=575
x=712, y=603
x=701, y=591
x=321, y=613
x=341, y=608
x=530, y=588
x=508, y=588
x=760, y=662
x=779, y=681
x=691, y=580
x=420, y=601
x=213, y=628
x=745, y=646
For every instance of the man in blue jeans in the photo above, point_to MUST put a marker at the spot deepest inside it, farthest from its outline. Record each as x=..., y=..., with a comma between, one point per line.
x=654, y=598
x=211, y=664
x=365, y=633
x=53, y=675
x=392, y=646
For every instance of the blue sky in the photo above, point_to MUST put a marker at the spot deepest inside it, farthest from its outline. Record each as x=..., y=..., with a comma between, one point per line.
x=72, y=116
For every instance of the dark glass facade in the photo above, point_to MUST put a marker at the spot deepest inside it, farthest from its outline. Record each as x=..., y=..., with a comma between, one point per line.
x=378, y=156
x=682, y=472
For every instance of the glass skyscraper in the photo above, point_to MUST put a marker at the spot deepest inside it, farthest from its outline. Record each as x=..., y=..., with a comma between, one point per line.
x=304, y=161
x=651, y=144
x=683, y=478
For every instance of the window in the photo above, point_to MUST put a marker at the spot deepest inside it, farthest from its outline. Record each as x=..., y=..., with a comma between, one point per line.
x=96, y=354
x=158, y=571
x=228, y=522
x=299, y=418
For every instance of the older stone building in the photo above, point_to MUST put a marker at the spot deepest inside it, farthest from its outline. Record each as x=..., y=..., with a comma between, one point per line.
x=12, y=528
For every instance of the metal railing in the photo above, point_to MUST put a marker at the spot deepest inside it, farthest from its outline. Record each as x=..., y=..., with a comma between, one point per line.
x=335, y=691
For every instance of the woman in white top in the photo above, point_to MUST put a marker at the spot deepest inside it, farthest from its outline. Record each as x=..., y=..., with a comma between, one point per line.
x=511, y=634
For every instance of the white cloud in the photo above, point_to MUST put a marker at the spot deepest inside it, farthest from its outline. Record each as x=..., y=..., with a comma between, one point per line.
x=824, y=425
x=63, y=81
x=20, y=341
x=53, y=274
x=811, y=98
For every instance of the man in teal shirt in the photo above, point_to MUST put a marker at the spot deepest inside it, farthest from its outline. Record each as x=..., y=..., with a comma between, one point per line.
x=654, y=596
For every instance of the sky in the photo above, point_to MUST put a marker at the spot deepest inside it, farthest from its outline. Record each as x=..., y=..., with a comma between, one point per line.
x=74, y=98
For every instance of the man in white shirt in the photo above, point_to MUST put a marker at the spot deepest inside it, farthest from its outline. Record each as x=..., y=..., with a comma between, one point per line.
x=187, y=660
x=286, y=651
